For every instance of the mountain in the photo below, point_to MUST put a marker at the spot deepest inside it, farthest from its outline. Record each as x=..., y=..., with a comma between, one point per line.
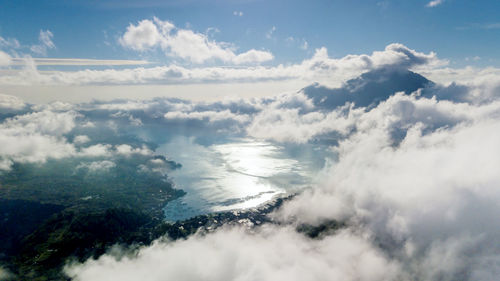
x=368, y=89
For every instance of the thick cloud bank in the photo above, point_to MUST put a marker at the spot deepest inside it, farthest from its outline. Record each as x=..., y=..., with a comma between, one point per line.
x=234, y=254
x=414, y=175
x=415, y=179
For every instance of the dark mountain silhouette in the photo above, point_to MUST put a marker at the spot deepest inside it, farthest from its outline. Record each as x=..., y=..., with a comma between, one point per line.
x=369, y=89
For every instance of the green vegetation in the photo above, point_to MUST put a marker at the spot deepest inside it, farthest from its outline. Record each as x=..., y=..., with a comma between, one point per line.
x=62, y=208
x=77, y=235
x=61, y=211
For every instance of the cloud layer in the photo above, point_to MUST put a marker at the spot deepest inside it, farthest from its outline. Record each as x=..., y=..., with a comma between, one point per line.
x=319, y=68
x=234, y=254
x=414, y=177
x=414, y=171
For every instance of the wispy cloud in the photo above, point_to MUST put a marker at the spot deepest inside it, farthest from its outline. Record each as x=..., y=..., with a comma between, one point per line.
x=270, y=32
x=45, y=43
x=495, y=25
x=320, y=67
x=76, y=61
x=489, y=25
x=434, y=3
x=304, y=45
x=9, y=43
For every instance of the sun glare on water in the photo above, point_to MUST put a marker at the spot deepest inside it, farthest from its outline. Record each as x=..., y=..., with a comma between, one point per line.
x=236, y=175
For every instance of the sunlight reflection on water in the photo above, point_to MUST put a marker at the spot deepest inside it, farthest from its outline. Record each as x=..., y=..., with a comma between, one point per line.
x=236, y=175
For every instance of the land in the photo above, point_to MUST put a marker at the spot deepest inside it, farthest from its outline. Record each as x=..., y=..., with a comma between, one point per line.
x=56, y=211
x=51, y=215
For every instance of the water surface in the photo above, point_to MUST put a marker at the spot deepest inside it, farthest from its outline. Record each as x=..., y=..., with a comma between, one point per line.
x=240, y=174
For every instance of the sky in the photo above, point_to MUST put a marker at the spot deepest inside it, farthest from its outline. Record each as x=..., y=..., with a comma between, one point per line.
x=243, y=34
x=90, y=29
x=397, y=103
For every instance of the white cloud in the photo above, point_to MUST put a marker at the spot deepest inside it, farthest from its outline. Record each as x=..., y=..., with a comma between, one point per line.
x=211, y=116
x=97, y=150
x=127, y=150
x=45, y=38
x=185, y=44
x=5, y=59
x=415, y=179
x=234, y=254
x=9, y=43
x=290, y=124
x=35, y=137
x=434, y=3
x=75, y=61
x=142, y=36
x=45, y=122
x=253, y=56
x=321, y=68
x=31, y=147
x=426, y=197
x=55, y=106
x=483, y=84
x=45, y=43
x=8, y=103
x=97, y=166
x=238, y=13
x=81, y=139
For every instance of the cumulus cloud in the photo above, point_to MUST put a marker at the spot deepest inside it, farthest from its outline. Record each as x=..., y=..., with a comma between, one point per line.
x=185, y=44
x=482, y=84
x=128, y=150
x=253, y=56
x=293, y=125
x=414, y=178
x=423, y=209
x=81, y=139
x=425, y=196
x=11, y=103
x=234, y=254
x=34, y=137
x=45, y=122
x=96, y=150
x=45, y=43
x=143, y=35
x=5, y=59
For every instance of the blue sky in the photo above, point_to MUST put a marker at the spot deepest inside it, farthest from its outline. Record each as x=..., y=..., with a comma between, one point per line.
x=242, y=48
x=454, y=29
